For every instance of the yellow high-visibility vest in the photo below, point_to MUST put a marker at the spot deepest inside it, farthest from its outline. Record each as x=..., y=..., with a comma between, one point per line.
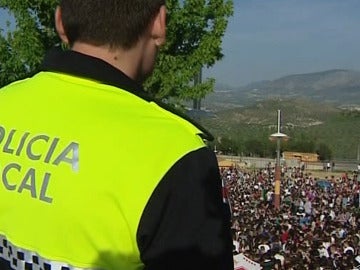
x=78, y=163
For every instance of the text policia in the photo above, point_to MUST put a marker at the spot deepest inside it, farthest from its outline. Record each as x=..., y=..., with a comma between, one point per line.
x=18, y=148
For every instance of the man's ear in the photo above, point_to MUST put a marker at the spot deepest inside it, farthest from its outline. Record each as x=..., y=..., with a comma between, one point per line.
x=158, y=29
x=59, y=26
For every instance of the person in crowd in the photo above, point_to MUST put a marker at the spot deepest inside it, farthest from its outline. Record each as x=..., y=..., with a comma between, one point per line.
x=315, y=228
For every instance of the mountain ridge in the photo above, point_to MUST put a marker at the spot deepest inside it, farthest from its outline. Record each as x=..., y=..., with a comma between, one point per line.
x=322, y=108
x=336, y=86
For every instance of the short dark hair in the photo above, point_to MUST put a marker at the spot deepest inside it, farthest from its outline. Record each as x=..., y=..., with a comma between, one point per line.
x=117, y=23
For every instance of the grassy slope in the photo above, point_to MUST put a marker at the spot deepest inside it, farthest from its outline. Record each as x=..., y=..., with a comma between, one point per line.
x=323, y=123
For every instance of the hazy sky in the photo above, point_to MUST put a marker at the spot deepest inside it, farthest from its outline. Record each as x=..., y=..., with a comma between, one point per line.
x=268, y=39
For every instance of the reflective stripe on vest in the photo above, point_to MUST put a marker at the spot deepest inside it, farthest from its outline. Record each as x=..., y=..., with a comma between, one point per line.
x=21, y=259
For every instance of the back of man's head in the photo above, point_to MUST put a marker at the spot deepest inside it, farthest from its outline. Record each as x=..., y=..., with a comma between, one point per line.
x=116, y=23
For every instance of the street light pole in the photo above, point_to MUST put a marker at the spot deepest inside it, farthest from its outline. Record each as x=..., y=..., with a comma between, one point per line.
x=278, y=136
x=277, y=175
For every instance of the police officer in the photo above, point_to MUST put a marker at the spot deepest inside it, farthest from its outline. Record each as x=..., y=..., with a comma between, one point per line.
x=94, y=173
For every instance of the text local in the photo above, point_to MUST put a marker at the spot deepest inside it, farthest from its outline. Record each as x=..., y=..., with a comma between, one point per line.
x=17, y=178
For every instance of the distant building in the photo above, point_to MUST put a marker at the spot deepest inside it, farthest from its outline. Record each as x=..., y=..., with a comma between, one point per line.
x=305, y=157
x=226, y=164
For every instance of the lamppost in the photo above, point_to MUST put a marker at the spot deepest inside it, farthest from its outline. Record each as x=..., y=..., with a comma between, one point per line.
x=278, y=137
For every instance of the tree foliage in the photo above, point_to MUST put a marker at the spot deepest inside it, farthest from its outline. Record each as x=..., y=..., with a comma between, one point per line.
x=23, y=45
x=257, y=144
x=195, y=30
x=324, y=152
x=227, y=146
x=194, y=36
x=301, y=143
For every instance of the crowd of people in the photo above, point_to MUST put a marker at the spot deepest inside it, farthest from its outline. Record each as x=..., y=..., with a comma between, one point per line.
x=315, y=227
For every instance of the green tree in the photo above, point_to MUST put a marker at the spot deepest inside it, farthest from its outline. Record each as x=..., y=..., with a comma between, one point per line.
x=324, y=152
x=254, y=147
x=301, y=143
x=23, y=45
x=195, y=31
x=227, y=146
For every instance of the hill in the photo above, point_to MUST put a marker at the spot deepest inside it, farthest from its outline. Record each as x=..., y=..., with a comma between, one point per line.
x=338, y=87
x=304, y=120
x=318, y=109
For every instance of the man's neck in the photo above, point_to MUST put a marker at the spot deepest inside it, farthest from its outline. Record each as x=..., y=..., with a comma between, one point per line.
x=127, y=61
